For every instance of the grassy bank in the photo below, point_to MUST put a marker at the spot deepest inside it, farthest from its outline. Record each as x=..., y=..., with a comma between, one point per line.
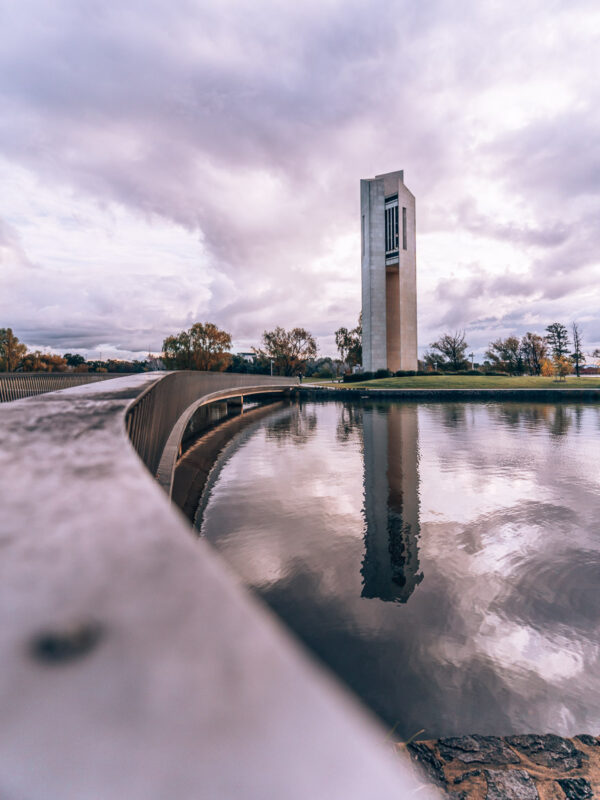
x=473, y=382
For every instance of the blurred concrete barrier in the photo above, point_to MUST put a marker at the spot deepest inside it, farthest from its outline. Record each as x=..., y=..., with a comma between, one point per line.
x=134, y=664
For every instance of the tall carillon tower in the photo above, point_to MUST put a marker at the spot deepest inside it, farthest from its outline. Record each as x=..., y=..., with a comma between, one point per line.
x=389, y=273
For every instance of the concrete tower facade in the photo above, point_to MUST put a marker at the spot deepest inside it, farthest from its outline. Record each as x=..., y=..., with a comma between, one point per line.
x=389, y=273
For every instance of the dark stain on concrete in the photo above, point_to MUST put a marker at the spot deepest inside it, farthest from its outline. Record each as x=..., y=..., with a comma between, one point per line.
x=67, y=644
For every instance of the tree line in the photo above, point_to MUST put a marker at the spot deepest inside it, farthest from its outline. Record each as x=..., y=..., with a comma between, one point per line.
x=16, y=357
x=555, y=353
x=205, y=346
x=281, y=352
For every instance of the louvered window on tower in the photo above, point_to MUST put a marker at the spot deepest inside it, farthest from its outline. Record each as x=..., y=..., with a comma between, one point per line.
x=391, y=226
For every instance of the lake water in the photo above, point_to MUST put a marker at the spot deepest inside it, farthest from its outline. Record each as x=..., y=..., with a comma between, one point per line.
x=442, y=559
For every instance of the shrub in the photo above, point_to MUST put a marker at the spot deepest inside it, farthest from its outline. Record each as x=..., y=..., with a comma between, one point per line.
x=383, y=373
x=323, y=373
x=405, y=373
x=356, y=377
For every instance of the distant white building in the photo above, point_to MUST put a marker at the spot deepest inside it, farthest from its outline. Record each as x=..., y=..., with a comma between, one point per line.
x=247, y=356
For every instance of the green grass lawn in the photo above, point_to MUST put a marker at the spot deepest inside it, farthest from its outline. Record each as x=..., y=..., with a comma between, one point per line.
x=473, y=382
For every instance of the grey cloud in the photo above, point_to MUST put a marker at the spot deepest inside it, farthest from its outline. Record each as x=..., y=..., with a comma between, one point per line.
x=556, y=160
x=277, y=96
x=551, y=235
x=565, y=266
x=252, y=126
x=11, y=247
x=534, y=303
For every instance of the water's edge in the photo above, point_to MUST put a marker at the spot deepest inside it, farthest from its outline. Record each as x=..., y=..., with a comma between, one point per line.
x=345, y=392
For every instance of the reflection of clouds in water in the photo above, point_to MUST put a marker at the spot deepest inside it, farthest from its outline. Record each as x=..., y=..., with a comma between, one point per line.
x=387, y=661
x=560, y=588
x=267, y=498
x=514, y=599
x=519, y=648
x=501, y=538
x=501, y=635
x=512, y=463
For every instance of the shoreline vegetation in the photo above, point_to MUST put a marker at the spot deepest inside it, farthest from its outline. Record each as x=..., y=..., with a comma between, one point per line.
x=445, y=381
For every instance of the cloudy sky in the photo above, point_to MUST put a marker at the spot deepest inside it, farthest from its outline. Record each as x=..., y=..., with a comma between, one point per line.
x=168, y=162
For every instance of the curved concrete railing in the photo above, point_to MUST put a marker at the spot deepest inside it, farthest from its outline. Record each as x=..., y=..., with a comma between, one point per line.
x=134, y=665
x=173, y=447
x=155, y=413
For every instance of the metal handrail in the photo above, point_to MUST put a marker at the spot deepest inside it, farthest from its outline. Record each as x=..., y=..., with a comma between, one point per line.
x=17, y=385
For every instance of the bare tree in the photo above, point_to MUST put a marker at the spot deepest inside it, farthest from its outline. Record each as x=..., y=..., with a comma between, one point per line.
x=452, y=348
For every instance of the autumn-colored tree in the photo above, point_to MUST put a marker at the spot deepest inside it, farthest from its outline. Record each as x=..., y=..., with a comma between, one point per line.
x=11, y=350
x=562, y=367
x=37, y=361
x=289, y=350
x=204, y=346
x=32, y=362
x=210, y=347
x=547, y=368
x=505, y=354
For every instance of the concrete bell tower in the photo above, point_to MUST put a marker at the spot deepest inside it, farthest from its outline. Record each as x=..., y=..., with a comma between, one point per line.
x=389, y=273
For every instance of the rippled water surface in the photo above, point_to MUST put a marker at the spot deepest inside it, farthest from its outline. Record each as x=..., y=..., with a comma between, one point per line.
x=443, y=559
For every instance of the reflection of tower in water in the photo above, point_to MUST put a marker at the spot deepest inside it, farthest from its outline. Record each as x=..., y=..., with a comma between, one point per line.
x=390, y=568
